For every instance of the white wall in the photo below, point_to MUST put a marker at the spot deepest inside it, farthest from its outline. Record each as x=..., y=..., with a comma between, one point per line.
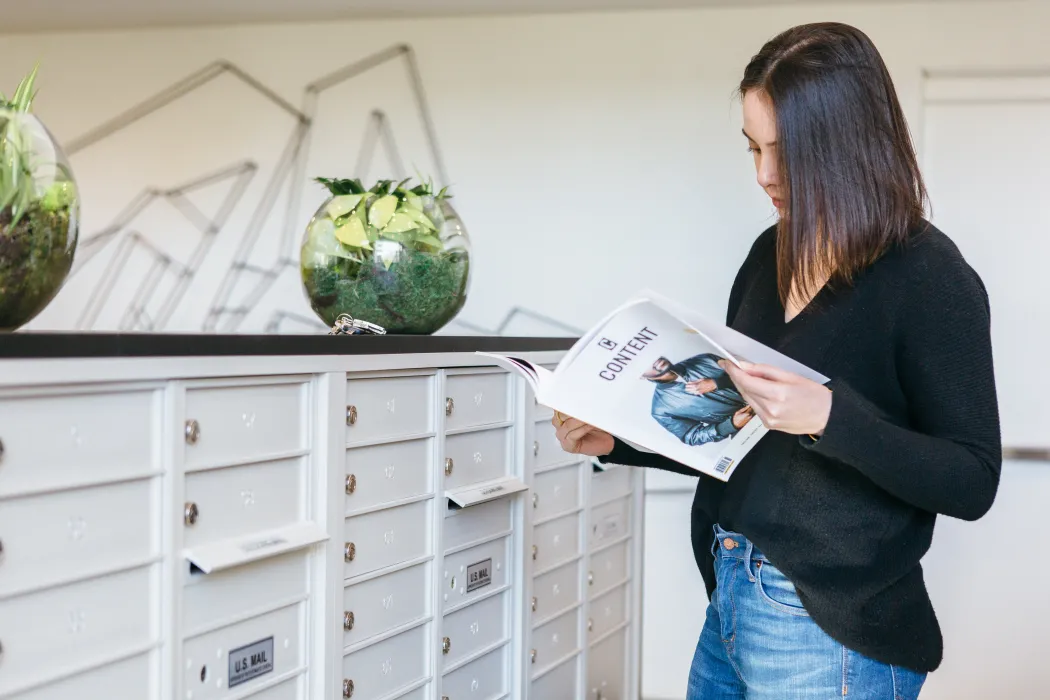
x=576, y=145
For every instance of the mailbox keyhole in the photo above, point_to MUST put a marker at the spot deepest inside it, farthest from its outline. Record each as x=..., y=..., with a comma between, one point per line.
x=204, y=674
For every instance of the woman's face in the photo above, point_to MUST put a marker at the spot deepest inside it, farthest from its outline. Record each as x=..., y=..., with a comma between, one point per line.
x=760, y=128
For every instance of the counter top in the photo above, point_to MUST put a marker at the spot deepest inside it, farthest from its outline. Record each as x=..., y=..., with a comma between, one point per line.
x=33, y=345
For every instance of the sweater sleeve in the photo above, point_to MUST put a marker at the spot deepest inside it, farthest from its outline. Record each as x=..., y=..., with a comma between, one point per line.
x=622, y=453
x=948, y=459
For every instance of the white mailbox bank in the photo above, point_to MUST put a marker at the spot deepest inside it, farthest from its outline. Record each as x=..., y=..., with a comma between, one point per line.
x=293, y=518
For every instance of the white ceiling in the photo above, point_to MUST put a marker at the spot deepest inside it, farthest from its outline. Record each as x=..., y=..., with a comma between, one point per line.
x=57, y=15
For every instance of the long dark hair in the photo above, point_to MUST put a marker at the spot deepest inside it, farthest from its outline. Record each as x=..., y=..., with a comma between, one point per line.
x=845, y=156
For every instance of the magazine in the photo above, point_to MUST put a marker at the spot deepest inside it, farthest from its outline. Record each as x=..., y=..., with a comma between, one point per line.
x=648, y=373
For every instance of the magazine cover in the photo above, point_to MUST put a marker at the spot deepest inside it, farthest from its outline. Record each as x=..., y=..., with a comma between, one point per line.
x=652, y=378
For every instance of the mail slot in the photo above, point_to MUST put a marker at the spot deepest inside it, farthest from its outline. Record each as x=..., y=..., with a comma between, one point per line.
x=474, y=572
x=231, y=660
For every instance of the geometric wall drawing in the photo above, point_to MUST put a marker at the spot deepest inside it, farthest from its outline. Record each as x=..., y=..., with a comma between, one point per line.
x=265, y=247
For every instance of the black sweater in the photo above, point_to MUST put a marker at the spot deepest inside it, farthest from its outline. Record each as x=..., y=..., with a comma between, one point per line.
x=913, y=432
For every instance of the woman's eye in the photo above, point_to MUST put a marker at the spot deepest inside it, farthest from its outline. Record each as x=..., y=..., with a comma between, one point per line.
x=753, y=149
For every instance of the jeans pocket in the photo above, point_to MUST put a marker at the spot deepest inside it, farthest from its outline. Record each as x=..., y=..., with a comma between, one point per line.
x=777, y=591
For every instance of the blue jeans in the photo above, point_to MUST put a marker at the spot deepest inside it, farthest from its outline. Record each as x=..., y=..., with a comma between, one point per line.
x=759, y=643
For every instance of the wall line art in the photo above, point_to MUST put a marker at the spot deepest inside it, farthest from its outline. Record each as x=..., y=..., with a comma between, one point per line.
x=230, y=306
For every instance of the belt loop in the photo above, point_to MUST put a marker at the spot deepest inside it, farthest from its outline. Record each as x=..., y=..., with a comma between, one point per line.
x=747, y=561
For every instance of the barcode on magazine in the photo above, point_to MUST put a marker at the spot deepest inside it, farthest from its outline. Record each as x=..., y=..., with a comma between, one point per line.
x=723, y=465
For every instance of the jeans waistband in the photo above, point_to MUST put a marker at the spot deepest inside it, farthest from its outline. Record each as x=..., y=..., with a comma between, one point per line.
x=733, y=545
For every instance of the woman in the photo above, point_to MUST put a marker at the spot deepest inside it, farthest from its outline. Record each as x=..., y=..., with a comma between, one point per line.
x=811, y=551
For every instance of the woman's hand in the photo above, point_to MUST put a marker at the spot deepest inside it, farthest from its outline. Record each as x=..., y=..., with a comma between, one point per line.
x=577, y=437
x=783, y=400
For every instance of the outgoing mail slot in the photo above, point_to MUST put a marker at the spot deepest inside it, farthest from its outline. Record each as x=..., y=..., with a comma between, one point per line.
x=474, y=572
x=235, y=501
x=232, y=660
x=555, y=591
x=474, y=457
x=607, y=667
x=226, y=425
x=473, y=400
x=559, y=682
x=608, y=568
x=131, y=676
x=555, y=641
x=555, y=542
x=57, y=441
x=384, y=603
x=386, y=473
x=378, y=670
x=476, y=523
x=70, y=534
x=556, y=492
x=609, y=522
x=610, y=484
x=49, y=633
x=606, y=612
x=482, y=678
x=473, y=628
x=210, y=599
x=388, y=407
x=385, y=538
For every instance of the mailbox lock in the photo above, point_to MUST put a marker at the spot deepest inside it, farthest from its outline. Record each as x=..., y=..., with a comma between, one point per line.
x=534, y=601
x=535, y=552
x=1, y=449
x=349, y=551
x=192, y=431
x=348, y=620
x=536, y=449
x=351, y=484
x=450, y=406
x=446, y=645
x=448, y=466
x=190, y=513
x=590, y=624
x=351, y=418
x=590, y=578
x=535, y=500
x=348, y=688
x=532, y=656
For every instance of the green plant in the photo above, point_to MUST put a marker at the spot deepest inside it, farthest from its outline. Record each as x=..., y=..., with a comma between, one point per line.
x=38, y=200
x=393, y=254
x=355, y=218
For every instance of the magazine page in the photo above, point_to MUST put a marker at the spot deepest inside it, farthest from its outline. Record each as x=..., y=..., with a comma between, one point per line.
x=734, y=344
x=535, y=375
x=652, y=380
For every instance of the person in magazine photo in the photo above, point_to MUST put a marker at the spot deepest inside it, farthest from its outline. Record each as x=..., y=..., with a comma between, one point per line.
x=695, y=399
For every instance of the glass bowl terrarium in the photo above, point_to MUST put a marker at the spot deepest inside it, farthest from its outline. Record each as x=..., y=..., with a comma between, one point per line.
x=38, y=211
x=392, y=255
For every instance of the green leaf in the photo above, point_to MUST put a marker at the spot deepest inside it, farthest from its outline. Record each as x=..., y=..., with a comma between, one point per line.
x=352, y=234
x=340, y=187
x=23, y=97
x=432, y=241
x=381, y=210
x=414, y=201
x=422, y=219
x=342, y=205
x=400, y=222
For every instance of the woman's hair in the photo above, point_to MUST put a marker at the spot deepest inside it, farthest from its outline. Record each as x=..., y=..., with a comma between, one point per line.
x=848, y=172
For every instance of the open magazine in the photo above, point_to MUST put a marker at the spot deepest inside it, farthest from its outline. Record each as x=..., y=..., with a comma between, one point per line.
x=648, y=373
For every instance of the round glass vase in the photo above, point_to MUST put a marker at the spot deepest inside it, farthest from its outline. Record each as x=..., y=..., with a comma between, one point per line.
x=39, y=207
x=405, y=285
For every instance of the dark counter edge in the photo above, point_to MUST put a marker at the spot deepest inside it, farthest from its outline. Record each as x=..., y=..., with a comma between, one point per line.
x=40, y=345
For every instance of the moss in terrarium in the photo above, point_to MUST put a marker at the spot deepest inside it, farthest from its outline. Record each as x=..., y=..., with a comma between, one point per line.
x=34, y=260
x=419, y=291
